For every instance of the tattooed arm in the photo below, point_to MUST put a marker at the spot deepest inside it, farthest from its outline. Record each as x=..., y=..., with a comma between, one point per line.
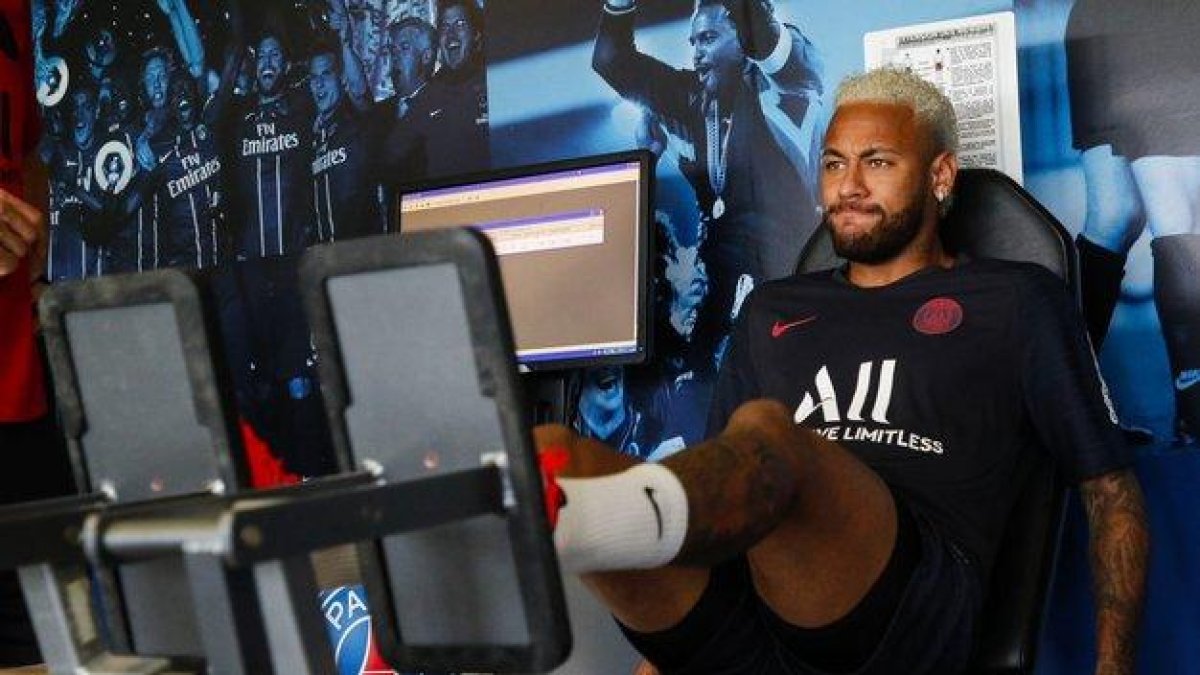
x=1119, y=544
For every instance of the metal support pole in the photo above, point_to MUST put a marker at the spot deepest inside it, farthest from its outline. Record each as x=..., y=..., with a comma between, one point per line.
x=229, y=620
x=59, y=604
x=295, y=628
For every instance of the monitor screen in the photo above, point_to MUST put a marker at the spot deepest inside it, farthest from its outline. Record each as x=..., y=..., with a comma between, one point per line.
x=572, y=242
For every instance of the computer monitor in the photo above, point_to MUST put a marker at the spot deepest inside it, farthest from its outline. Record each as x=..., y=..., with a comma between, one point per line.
x=572, y=239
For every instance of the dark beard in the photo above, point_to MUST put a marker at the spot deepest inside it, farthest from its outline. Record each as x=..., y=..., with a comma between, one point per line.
x=886, y=241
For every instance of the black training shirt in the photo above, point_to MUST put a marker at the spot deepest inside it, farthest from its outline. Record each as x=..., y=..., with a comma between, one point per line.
x=940, y=382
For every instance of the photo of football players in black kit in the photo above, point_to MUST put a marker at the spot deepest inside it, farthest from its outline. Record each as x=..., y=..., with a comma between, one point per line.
x=178, y=145
x=750, y=112
x=346, y=195
x=272, y=200
x=107, y=211
x=181, y=163
x=189, y=189
x=228, y=137
x=446, y=118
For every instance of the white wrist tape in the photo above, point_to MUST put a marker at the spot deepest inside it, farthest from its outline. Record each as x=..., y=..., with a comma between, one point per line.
x=636, y=519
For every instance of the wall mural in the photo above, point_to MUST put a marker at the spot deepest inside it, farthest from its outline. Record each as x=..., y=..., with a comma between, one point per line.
x=229, y=136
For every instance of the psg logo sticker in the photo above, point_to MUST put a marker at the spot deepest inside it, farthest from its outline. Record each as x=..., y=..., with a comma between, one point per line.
x=938, y=316
x=348, y=622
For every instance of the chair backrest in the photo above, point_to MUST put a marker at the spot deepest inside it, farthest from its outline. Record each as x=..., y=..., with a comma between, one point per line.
x=994, y=217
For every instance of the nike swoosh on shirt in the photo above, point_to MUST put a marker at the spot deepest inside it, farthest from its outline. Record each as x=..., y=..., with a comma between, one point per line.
x=657, y=512
x=1187, y=379
x=780, y=327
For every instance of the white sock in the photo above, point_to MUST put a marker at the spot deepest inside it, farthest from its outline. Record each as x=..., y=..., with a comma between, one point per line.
x=636, y=519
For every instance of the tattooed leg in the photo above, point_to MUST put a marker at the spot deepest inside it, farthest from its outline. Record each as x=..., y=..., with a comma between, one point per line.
x=815, y=523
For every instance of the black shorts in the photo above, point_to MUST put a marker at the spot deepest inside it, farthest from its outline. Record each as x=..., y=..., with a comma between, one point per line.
x=919, y=617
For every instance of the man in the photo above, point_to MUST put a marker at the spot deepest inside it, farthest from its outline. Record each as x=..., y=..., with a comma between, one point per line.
x=101, y=55
x=126, y=211
x=22, y=240
x=745, y=124
x=446, y=126
x=131, y=205
x=345, y=194
x=459, y=142
x=28, y=437
x=271, y=160
x=26, y=427
x=680, y=392
x=412, y=43
x=607, y=413
x=872, y=429
x=125, y=187
x=72, y=160
x=266, y=334
x=189, y=184
x=183, y=106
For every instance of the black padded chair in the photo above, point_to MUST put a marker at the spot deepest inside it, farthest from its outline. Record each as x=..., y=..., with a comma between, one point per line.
x=994, y=217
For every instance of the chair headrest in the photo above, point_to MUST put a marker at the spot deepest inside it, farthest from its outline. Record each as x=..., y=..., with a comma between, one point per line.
x=992, y=217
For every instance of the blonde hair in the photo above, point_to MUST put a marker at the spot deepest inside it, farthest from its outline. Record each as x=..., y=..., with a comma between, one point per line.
x=891, y=84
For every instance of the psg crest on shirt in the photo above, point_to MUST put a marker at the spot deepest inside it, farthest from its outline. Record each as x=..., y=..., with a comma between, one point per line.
x=938, y=316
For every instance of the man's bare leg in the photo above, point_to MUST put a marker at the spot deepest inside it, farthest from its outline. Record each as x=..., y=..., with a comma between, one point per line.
x=816, y=524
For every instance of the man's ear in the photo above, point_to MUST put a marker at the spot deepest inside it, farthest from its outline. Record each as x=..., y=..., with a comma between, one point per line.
x=943, y=174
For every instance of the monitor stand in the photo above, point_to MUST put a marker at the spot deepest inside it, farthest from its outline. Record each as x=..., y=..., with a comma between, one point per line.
x=547, y=396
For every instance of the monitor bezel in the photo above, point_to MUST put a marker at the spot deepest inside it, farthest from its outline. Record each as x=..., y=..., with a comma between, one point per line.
x=641, y=353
